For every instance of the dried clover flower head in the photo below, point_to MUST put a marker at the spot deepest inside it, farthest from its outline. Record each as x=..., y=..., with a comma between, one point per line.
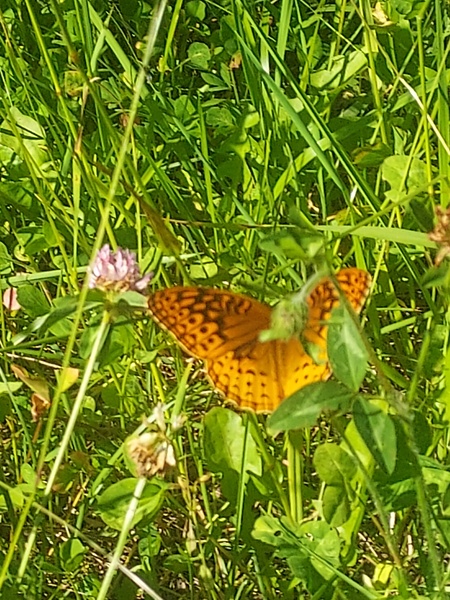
x=117, y=271
x=152, y=453
x=441, y=233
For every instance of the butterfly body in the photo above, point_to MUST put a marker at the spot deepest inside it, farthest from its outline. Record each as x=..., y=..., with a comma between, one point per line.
x=222, y=328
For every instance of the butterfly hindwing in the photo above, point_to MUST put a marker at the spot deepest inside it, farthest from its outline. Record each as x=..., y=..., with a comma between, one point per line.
x=250, y=381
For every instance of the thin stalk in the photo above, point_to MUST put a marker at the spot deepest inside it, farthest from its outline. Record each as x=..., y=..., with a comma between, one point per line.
x=96, y=347
x=371, y=46
x=269, y=461
x=423, y=79
x=440, y=44
x=295, y=473
x=123, y=537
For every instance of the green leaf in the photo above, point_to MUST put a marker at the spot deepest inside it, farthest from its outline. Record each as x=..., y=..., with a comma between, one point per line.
x=336, y=506
x=178, y=563
x=399, y=490
x=371, y=156
x=87, y=340
x=183, y=107
x=6, y=263
x=311, y=549
x=9, y=387
x=72, y=554
x=150, y=545
x=422, y=432
x=408, y=8
x=404, y=175
x=423, y=211
x=220, y=118
x=64, y=307
x=377, y=429
x=346, y=351
x=111, y=396
x=196, y=9
x=146, y=357
x=324, y=543
x=115, y=500
x=120, y=340
x=205, y=270
x=407, y=466
x=225, y=441
x=303, y=407
x=38, y=239
x=215, y=83
x=334, y=465
x=343, y=69
x=130, y=9
x=28, y=474
x=269, y=530
x=5, y=401
x=13, y=496
x=32, y=300
x=131, y=299
x=32, y=135
x=302, y=244
x=199, y=55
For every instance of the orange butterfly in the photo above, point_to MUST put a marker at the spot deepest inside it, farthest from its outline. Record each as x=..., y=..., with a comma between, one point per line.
x=222, y=328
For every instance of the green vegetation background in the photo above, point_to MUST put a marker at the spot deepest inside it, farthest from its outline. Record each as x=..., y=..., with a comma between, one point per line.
x=235, y=144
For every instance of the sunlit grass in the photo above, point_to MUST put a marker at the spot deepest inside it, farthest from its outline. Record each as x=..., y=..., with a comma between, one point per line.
x=241, y=146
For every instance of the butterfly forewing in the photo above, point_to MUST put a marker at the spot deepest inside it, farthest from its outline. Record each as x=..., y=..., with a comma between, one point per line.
x=354, y=283
x=208, y=323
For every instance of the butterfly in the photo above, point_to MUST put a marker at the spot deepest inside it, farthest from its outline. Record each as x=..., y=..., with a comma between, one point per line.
x=222, y=328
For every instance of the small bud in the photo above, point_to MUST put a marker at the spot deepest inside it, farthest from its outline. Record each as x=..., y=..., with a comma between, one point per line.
x=158, y=417
x=178, y=422
x=288, y=320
